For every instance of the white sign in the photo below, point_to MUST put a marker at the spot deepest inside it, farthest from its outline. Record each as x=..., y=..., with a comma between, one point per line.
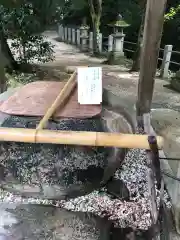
x=90, y=85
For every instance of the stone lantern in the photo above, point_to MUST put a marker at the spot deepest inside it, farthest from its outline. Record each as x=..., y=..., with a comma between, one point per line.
x=84, y=36
x=118, y=38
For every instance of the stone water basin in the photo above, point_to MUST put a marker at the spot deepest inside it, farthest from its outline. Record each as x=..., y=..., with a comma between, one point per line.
x=133, y=213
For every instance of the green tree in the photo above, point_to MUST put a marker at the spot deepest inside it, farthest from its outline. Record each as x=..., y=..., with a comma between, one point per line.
x=95, y=7
x=89, y=9
x=5, y=52
x=137, y=54
x=22, y=22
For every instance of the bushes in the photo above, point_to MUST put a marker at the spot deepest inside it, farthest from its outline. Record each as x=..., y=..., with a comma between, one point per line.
x=23, y=29
x=32, y=49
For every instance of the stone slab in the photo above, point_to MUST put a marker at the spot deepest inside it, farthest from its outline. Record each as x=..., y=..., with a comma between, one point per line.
x=34, y=99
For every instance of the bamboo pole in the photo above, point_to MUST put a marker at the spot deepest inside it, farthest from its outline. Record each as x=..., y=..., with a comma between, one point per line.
x=59, y=101
x=77, y=138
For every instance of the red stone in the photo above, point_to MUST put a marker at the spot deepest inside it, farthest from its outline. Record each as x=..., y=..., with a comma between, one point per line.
x=35, y=98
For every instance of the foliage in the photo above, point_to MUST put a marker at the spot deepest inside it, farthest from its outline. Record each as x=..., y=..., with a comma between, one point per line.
x=48, y=12
x=16, y=80
x=171, y=31
x=11, y=3
x=172, y=13
x=32, y=49
x=22, y=26
x=23, y=20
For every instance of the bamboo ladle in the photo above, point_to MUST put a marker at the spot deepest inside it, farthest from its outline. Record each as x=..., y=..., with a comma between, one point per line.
x=59, y=101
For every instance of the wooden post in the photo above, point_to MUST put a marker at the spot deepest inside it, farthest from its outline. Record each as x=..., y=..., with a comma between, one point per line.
x=149, y=56
x=151, y=178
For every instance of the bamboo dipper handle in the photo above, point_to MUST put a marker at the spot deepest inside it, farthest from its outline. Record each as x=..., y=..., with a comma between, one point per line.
x=61, y=98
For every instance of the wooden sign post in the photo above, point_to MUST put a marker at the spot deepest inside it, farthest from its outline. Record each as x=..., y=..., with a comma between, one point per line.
x=154, y=20
x=150, y=51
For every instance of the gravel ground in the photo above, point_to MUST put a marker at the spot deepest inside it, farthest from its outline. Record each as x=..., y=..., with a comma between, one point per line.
x=134, y=213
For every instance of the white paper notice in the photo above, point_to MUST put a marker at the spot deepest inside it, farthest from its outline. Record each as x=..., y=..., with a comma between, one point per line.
x=90, y=85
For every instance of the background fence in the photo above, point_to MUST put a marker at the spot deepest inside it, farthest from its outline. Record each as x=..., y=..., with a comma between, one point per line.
x=84, y=40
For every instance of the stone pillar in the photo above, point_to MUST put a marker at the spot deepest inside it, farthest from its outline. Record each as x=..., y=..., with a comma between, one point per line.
x=118, y=45
x=166, y=61
x=84, y=37
x=91, y=41
x=73, y=36
x=59, y=31
x=69, y=35
x=65, y=34
x=78, y=40
x=110, y=43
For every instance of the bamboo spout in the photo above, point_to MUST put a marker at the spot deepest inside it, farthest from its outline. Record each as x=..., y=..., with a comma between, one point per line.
x=77, y=138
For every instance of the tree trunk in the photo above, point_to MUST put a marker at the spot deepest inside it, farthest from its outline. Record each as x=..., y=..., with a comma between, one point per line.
x=3, y=82
x=96, y=31
x=136, y=58
x=23, y=57
x=137, y=54
x=95, y=11
x=11, y=63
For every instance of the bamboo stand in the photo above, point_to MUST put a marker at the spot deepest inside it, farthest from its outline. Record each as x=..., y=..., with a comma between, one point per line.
x=77, y=138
